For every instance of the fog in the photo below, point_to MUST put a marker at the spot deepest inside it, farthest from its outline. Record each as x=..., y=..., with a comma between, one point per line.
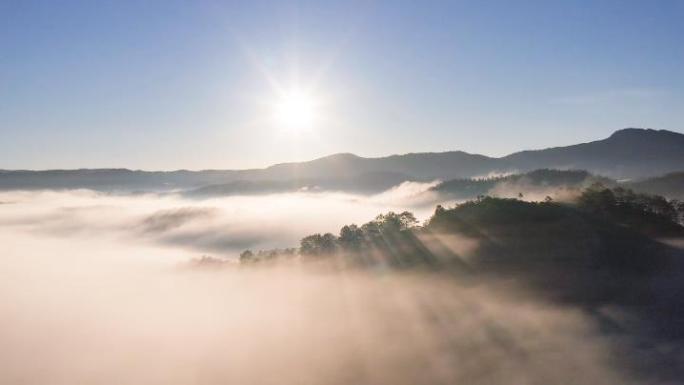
x=95, y=289
x=218, y=226
x=523, y=189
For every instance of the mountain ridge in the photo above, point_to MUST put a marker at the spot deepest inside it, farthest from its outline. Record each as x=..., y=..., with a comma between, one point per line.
x=629, y=153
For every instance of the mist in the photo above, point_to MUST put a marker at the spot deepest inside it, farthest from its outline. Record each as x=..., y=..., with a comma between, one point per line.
x=96, y=289
x=221, y=226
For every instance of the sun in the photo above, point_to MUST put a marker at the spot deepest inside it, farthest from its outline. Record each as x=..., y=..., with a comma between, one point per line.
x=295, y=111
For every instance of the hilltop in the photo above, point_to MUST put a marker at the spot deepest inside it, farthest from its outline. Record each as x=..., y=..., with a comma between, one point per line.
x=627, y=154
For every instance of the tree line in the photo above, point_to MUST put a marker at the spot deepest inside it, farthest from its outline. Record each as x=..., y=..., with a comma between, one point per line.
x=394, y=235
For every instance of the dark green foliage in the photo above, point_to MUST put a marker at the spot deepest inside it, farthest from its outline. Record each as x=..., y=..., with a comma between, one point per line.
x=351, y=238
x=382, y=235
x=651, y=214
x=389, y=235
x=521, y=234
x=318, y=245
x=607, y=228
x=597, y=199
x=511, y=230
x=391, y=223
x=543, y=178
x=248, y=257
x=669, y=185
x=486, y=211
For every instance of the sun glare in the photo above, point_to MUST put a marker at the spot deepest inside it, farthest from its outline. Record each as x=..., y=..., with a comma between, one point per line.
x=295, y=111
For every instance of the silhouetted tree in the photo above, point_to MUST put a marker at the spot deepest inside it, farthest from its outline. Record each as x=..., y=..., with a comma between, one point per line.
x=247, y=256
x=393, y=222
x=351, y=238
x=597, y=199
x=679, y=207
x=318, y=245
x=651, y=214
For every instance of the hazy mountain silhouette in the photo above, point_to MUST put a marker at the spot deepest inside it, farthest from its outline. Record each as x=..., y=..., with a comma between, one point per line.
x=628, y=153
x=443, y=165
x=363, y=183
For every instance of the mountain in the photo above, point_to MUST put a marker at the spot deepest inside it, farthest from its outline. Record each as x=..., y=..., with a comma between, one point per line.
x=363, y=183
x=111, y=179
x=627, y=154
x=443, y=165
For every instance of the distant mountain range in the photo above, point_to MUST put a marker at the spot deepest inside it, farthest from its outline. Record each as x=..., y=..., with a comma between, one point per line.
x=630, y=153
x=627, y=154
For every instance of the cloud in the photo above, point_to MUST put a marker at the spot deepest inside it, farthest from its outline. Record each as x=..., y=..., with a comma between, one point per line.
x=223, y=225
x=165, y=220
x=103, y=301
x=409, y=194
x=110, y=325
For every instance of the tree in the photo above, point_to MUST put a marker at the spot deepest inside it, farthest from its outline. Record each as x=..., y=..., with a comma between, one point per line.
x=597, y=199
x=679, y=208
x=318, y=245
x=247, y=256
x=393, y=222
x=351, y=238
x=328, y=244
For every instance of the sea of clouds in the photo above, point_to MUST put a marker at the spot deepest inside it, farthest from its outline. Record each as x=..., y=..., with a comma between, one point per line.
x=93, y=290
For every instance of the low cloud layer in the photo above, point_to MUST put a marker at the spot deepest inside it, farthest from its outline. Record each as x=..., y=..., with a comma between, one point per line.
x=92, y=291
x=98, y=323
x=220, y=226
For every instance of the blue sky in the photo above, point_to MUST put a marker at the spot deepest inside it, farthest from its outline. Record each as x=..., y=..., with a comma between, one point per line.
x=188, y=84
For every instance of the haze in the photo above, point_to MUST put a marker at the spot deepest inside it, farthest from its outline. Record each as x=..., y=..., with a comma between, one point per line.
x=98, y=289
x=332, y=192
x=177, y=85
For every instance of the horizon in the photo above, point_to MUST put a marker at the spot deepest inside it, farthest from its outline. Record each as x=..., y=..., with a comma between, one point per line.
x=336, y=154
x=341, y=192
x=208, y=85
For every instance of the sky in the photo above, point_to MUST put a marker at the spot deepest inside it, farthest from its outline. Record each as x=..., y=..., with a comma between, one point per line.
x=164, y=85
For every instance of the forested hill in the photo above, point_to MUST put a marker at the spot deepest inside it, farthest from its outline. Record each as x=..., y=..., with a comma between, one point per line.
x=627, y=154
x=611, y=227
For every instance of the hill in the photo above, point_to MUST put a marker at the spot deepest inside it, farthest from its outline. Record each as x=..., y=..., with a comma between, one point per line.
x=557, y=184
x=606, y=228
x=627, y=154
x=670, y=185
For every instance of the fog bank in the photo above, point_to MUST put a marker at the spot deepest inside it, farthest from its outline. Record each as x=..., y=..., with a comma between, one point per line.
x=220, y=227
x=93, y=290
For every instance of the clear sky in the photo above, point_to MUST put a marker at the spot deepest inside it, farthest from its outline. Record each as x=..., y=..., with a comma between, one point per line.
x=193, y=84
